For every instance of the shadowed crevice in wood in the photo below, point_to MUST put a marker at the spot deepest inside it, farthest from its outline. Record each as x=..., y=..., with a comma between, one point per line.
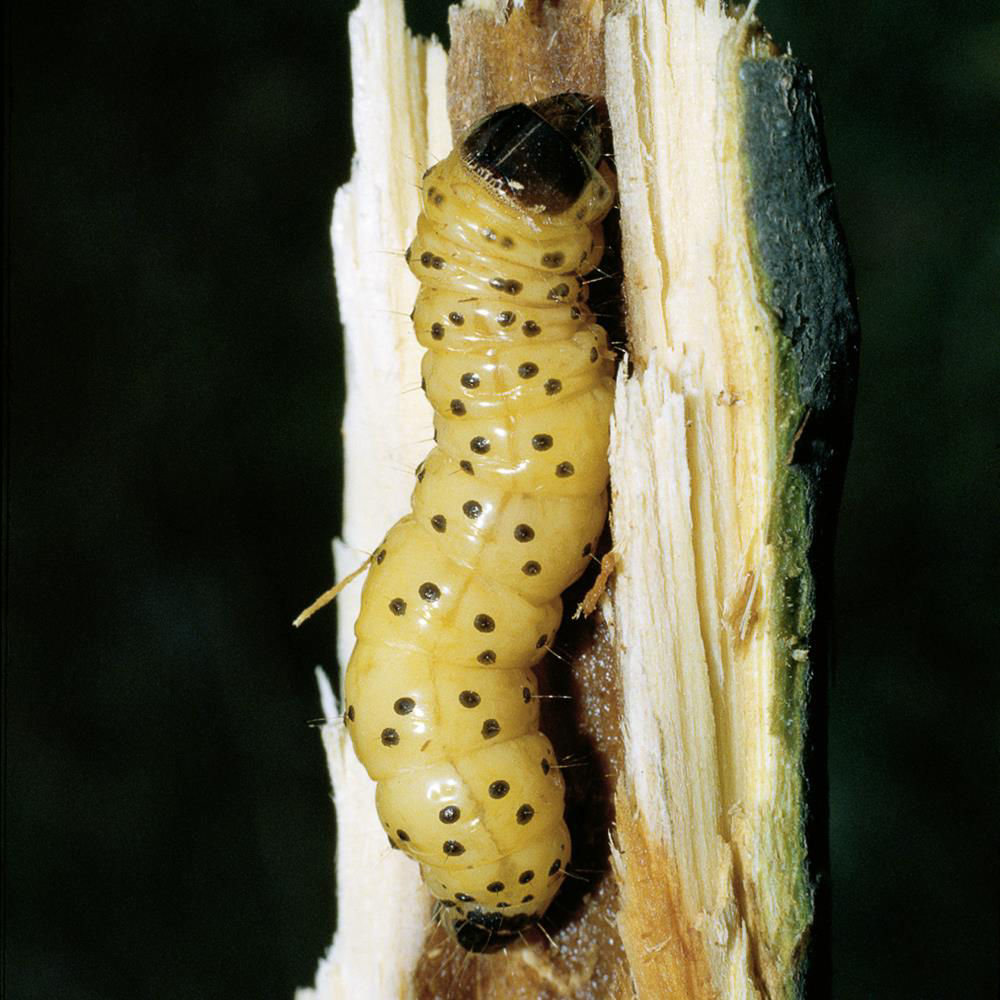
x=540, y=50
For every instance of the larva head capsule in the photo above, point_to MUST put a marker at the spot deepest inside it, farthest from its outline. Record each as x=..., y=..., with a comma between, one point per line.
x=542, y=158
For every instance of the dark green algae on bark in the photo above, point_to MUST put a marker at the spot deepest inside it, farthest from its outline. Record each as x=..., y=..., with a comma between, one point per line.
x=804, y=278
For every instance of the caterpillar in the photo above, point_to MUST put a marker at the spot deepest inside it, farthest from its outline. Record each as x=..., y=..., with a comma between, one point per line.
x=462, y=597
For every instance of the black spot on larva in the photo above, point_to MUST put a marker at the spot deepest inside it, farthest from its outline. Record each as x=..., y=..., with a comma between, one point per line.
x=456, y=318
x=559, y=291
x=564, y=470
x=439, y=522
x=530, y=328
x=453, y=849
x=526, y=695
x=469, y=699
x=393, y=844
x=527, y=370
x=506, y=318
x=470, y=380
x=495, y=887
x=438, y=199
x=555, y=259
x=479, y=445
x=390, y=738
x=490, y=728
x=457, y=407
x=464, y=897
x=449, y=814
x=524, y=533
x=380, y=557
x=531, y=568
x=525, y=814
x=556, y=865
x=484, y=623
x=498, y=789
x=423, y=385
x=437, y=263
x=587, y=549
x=350, y=713
x=437, y=331
x=487, y=657
x=472, y=509
x=552, y=386
x=419, y=472
x=403, y=835
x=397, y=606
x=408, y=254
x=593, y=354
x=546, y=766
x=525, y=877
x=541, y=442
x=506, y=243
x=574, y=312
x=426, y=258
x=430, y=591
x=447, y=903
x=527, y=899
x=404, y=706
x=466, y=466
x=542, y=639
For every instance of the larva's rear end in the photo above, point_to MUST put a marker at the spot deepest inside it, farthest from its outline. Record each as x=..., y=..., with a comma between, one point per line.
x=463, y=597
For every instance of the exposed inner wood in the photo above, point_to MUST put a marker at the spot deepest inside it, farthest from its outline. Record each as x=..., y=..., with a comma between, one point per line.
x=707, y=766
x=399, y=118
x=501, y=54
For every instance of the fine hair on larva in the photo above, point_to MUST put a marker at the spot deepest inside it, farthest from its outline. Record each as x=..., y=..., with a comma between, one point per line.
x=462, y=597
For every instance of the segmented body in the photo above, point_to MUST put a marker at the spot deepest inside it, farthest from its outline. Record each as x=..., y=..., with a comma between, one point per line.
x=463, y=596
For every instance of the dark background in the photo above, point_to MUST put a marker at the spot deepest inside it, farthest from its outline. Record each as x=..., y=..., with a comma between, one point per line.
x=172, y=422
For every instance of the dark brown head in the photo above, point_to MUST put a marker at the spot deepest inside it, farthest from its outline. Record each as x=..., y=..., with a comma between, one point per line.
x=540, y=157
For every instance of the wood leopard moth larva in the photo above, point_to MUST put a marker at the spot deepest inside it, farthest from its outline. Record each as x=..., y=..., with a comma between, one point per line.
x=463, y=595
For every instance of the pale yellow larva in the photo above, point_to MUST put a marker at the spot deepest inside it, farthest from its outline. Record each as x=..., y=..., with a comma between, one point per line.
x=463, y=596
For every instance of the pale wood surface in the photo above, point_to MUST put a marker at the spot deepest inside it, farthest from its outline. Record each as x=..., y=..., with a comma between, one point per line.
x=399, y=123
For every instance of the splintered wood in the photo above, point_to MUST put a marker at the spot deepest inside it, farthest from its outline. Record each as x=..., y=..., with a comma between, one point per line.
x=676, y=701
